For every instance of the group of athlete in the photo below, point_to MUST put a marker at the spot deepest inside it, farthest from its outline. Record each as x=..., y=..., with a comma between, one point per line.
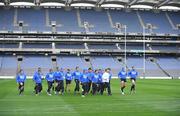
x=91, y=81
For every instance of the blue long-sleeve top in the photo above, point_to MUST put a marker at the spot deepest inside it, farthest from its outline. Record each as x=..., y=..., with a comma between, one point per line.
x=59, y=75
x=69, y=76
x=122, y=74
x=37, y=77
x=77, y=75
x=20, y=78
x=50, y=77
x=84, y=78
x=90, y=75
x=133, y=74
x=100, y=77
x=95, y=78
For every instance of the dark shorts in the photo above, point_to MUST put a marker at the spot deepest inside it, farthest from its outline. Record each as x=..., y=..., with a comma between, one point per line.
x=68, y=81
x=124, y=80
x=50, y=82
x=95, y=83
x=20, y=83
x=133, y=79
x=57, y=81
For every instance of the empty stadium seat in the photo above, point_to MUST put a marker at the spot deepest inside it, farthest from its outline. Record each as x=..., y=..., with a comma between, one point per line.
x=129, y=19
x=39, y=20
x=159, y=21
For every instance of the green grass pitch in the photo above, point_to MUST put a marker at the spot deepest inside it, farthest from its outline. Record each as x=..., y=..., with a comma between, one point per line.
x=153, y=98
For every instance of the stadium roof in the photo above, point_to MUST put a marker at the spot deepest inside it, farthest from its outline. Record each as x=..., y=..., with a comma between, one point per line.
x=124, y=3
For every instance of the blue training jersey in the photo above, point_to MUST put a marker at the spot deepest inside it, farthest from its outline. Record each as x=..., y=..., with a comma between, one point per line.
x=50, y=77
x=95, y=78
x=122, y=75
x=20, y=78
x=100, y=77
x=68, y=76
x=59, y=75
x=133, y=74
x=84, y=78
x=77, y=75
x=37, y=77
x=90, y=75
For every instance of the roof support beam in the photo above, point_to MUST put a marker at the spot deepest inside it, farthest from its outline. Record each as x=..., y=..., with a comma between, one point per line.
x=163, y=2
x=68, y=2
x=99, y=2
x=131, y=2
x=37, y=2
x=6, y=2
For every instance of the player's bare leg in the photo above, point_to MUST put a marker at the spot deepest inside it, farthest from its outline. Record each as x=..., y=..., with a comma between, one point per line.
x=133, y=84
x=123, y=85
x=68, y=88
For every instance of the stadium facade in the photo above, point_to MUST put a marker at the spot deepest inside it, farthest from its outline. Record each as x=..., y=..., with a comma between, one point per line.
x=90, y=36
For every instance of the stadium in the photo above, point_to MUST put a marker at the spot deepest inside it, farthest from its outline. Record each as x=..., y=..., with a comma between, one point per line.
x=97, y=34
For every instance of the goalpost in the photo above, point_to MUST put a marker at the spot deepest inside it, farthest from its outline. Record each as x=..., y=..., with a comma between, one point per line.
x=144, y=50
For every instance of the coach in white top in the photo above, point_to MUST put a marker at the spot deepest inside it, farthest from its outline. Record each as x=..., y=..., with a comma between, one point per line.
x=105, y=77
x=106, y=81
